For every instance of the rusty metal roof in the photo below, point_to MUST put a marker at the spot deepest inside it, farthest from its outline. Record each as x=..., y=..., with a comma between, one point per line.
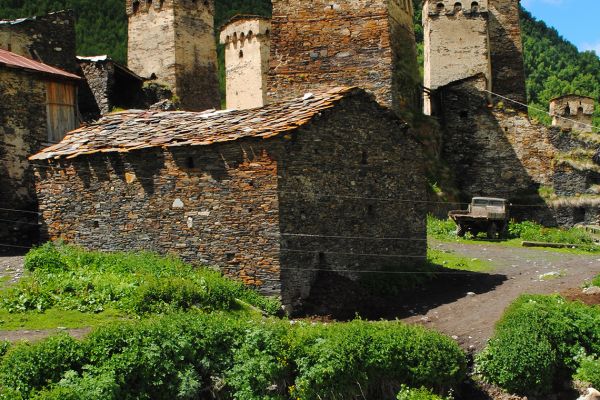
x=134, y=129
x=12, y=60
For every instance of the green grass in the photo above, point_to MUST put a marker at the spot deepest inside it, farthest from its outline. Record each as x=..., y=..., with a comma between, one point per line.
x=55, y=318
x=451, y=260
x=444, y=230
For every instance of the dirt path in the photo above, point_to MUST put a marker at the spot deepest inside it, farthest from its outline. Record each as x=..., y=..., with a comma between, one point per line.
x=470, y=318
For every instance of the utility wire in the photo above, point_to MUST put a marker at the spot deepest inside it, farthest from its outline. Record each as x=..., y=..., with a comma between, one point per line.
x=540, y=110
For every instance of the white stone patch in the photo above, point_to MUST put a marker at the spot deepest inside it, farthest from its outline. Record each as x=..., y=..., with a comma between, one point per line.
x=204, y=213
x=178, y=203
x=190, y=222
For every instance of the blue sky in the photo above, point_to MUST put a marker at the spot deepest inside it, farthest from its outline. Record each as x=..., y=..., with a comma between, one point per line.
x=578, y=21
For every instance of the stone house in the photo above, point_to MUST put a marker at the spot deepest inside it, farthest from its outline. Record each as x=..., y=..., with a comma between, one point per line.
x=271, y=196
x=38, y=107
x=573, y=111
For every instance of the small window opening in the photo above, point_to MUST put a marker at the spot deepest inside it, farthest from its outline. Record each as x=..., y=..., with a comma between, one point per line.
x=230, y=256
x=136, y=6
x=475, y=6
x=321, y=259
x=241, y=54
x=149, y=3
x=242, y=36
x=364, y=158
x=267, y=32
x=370, y=210
x=580, y=110
x=96, y=224
x=331, y=6
x=579, y=215
x=161, y=2
x=464, y=114
x=440, y=7
x=567, y=110
x=251, y=183
x=190, y=162
x=250, y=35
x=457, y=7
x=205, y=3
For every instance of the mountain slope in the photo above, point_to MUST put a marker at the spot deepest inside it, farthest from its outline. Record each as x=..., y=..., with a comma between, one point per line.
x=553, y=65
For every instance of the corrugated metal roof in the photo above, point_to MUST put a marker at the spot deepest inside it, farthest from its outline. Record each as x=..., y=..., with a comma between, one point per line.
x=12, y=60
x=133, y=130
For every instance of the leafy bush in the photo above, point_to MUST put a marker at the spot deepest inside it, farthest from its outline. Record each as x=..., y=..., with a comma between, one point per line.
x=71, y=278
x=589, y=370
x=537, y=343
x=182, y=356
x=532, y=231
x=441, y=228
x=407, y=393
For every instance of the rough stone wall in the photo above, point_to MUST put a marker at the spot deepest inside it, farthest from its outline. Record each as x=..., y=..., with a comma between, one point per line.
x=173, y=40
x=456, y=44
x=151, y=40
x=578, y=110
x=247, y=45
x=497, y=154
x=337, y=194
x=215, y=206
x=506, y=48
x=23, y=132
x=49, y=39
x=347, y=191
x=95, y=97
x=365, y=43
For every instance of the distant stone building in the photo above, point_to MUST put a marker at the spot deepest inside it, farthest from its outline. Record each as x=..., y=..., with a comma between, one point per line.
x=365, y=43
x=173, y=42
x=572, y=111
x=49, y=39
x=247, y=41
x=108, y=85
x=271, y=195
x=38, y=106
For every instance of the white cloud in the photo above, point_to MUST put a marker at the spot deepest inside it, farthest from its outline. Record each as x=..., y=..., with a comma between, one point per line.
x=591, y=46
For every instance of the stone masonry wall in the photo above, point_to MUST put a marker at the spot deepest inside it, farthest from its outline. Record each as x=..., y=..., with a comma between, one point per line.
x=506, y=47
x=215, y=206
x=23, y=131
x=364, y=43
x=348, y=189
x=456, y=44
x=49, y=39
x=337, y=194
x=95, y=98
x=247, y=45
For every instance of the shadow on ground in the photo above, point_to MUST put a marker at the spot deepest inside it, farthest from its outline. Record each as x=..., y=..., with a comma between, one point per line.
x=342, y=299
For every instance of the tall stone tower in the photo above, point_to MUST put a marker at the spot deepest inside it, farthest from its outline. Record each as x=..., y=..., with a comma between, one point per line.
x=506, y=48
x=366, y=43
x=456, y=43
x=173, y=42
x=247, y=41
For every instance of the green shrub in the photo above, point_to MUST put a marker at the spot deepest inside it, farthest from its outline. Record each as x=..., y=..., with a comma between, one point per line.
x=537, y=342
x=27, y=367
x=532, y=231
x=4, y=346
x=407, y=393
x=441, y=228
x=589, y=371
x=69, y=278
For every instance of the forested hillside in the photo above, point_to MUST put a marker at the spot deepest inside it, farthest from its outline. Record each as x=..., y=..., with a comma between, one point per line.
x=554, y=66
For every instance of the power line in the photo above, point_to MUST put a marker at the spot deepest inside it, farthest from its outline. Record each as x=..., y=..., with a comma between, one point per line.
x=540, y=110
x=20, y=222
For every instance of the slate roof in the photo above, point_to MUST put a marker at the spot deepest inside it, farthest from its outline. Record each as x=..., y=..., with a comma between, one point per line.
x=134, y=129
x=11, y=60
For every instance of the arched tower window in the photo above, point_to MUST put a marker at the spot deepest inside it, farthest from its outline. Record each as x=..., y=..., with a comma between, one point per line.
x=241, y=54
x=474, y=6
x=567, y=110
x=580, y=110
x=440, y=7
x=136, y=6
x=457, y=7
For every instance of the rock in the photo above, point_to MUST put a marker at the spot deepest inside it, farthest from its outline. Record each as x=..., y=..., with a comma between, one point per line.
x=471, y=294
x=549, y=275
x=591, y=290
x=591, y=394
x=164, y=105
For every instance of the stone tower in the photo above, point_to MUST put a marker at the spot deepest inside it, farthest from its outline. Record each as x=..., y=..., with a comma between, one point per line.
x=506, y=48
x=456, y=43
x=365, y=43
x=573, y=111
x=247, y=41
x=173, y=42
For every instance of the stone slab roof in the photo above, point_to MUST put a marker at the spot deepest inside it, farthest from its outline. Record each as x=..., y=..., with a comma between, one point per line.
x=134, y=129
x=12, y=60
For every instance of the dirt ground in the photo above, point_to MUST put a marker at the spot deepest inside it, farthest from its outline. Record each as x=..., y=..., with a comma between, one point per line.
x=462, y=305
x=470, y=318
